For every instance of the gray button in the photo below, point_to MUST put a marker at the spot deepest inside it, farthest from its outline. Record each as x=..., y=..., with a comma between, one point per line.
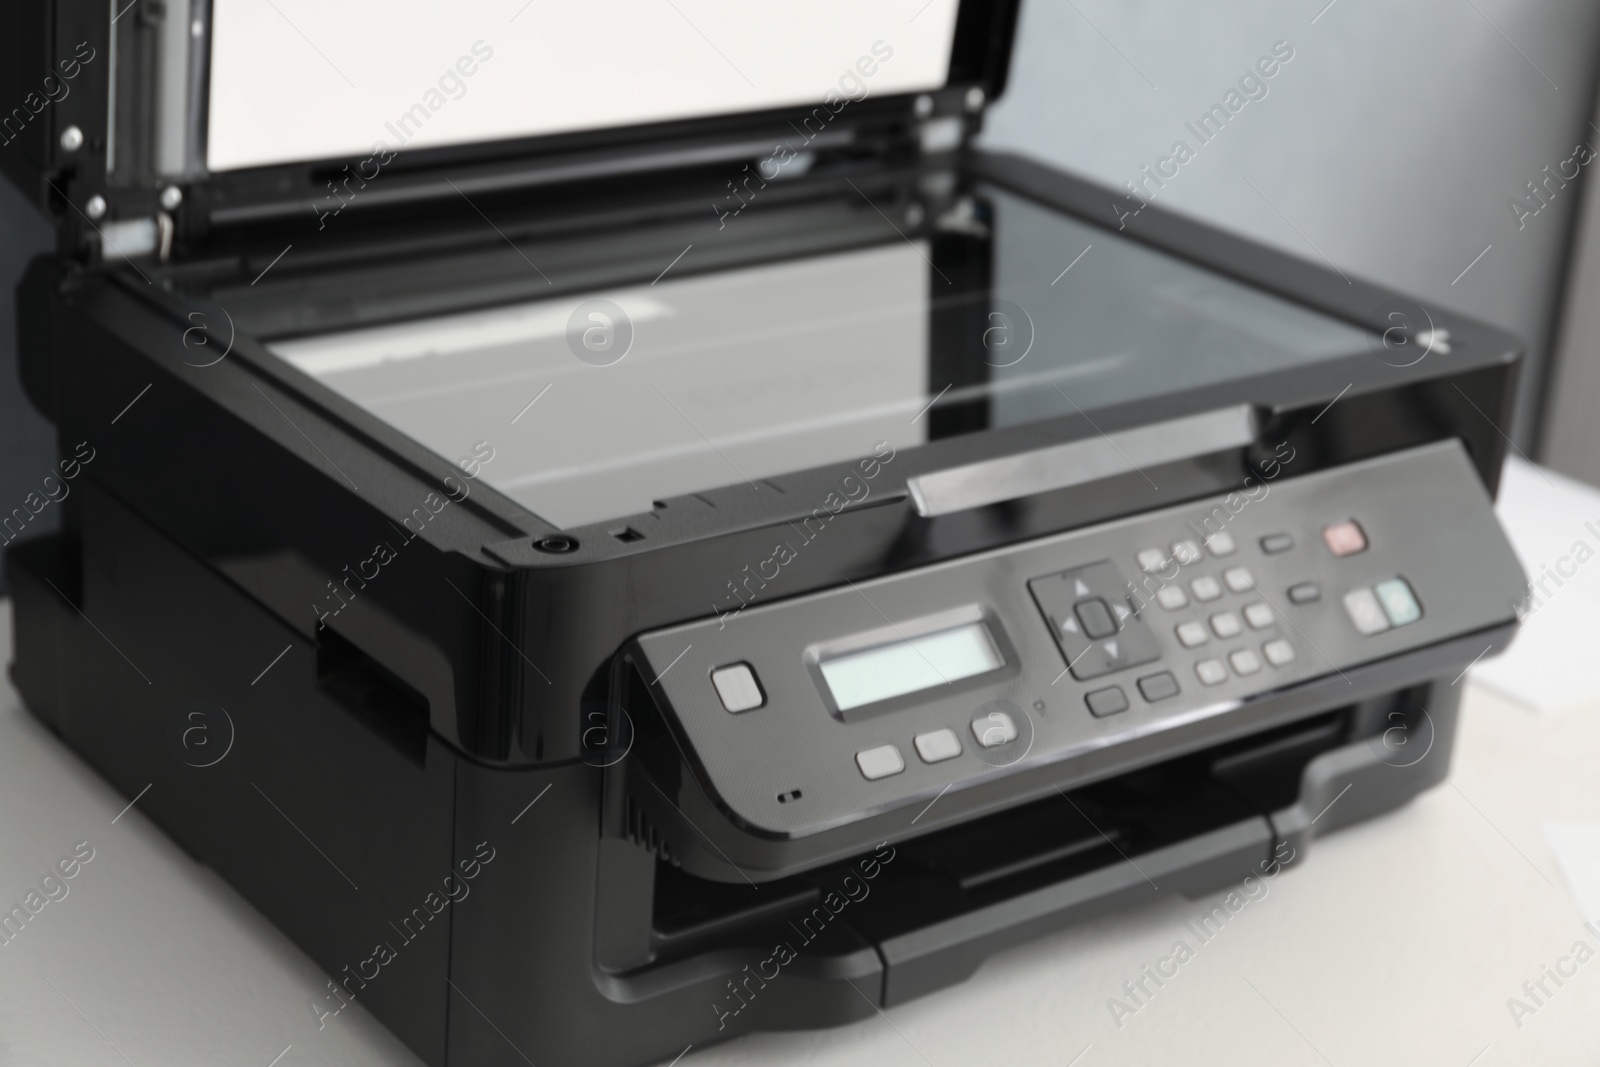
x=1245, y=661
x=880, y=762
x=1192, y=633
x=1158, y=686
x=1259, y=616
x=1172, y=597
x=1205, y=588
x=994, y=729
x=1226, y=624
x=737, y=687
x=1278, y=652
x=1107, y=701
x=1152, y=560
x=1272, y=544
x=1305, y=593
x=1363, y=608
x=1096, y=618
x=1239, y=579
x=1211, y=671
x=1221, y=543
x=938, y=745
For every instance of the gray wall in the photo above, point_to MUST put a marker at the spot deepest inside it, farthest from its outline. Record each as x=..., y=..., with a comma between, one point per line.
x=1571, y=433
x=27, y=442
x=1390, y=145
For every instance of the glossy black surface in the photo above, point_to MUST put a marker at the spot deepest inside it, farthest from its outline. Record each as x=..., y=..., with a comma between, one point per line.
x=707, y=379
x=304, y=491
x=448, y=665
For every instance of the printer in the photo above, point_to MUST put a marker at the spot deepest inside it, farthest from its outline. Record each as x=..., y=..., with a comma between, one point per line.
x=616, y=526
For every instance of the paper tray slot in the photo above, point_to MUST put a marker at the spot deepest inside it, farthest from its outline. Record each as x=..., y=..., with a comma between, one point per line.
x=1037, y=865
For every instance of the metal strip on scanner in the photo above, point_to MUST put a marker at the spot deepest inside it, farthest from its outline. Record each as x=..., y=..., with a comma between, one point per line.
x=1077, y=462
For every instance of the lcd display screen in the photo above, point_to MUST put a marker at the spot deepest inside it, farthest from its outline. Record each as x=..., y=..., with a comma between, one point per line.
x=910, y=666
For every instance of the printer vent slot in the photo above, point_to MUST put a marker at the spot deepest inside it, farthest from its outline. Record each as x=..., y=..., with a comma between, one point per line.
x=638, y=829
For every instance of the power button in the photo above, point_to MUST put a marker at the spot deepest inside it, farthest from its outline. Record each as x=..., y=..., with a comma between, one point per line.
x=737, y=687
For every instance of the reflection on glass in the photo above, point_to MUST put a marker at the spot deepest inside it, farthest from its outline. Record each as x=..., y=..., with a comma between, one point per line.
x=599, y=403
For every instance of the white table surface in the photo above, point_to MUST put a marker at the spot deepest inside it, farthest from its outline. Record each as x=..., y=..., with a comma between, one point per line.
x=1398, y=942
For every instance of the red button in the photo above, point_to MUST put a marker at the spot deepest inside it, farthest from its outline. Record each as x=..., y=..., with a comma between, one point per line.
x=1344, y=538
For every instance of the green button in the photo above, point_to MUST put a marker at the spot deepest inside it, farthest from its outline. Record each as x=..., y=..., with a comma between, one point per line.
x=1398, y=602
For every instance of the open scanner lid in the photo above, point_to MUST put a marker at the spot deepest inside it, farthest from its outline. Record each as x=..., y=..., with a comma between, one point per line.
x=149, y=123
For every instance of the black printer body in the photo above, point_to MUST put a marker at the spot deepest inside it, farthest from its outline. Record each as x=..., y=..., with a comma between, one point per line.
x=609, y=591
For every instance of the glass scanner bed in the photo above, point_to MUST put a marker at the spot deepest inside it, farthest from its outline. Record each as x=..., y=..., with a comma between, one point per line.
x=711, y=379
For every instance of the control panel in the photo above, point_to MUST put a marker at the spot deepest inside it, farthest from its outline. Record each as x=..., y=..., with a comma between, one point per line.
x=890, y=692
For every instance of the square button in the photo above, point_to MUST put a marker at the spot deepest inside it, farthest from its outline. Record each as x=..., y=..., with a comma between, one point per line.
x=1096, y=618
x=1362, y=607
x=1152, y=560
x=1158, y=686
x=1278, y=652
x=1211, y=671
x=737, y=687
x=1172, y=597
x=938, y=745
x=994, y=729
x=1185, y=552
x=1205, y=588
x=1221, y=544
x=1191, y=634
x=880, y=762
x=1226, y=624
x=1239, y=579
x=1106, y=701
x=1398, y=602
x=1272, y=544
x=1344, y=538
x=1245, y=661
x=1259, y=616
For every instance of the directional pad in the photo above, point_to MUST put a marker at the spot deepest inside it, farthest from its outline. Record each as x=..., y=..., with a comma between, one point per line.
x=1095, y=622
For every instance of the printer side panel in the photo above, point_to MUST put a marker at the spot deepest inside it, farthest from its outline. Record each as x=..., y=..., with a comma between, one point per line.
x=259, y=758
x=328, y=534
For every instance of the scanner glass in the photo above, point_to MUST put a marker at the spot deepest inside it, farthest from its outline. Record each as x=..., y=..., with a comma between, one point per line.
x=736, y=375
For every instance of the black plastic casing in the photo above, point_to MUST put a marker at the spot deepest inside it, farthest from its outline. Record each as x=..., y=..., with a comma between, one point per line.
x=282, y=485
x=457, y=691
x=444, y=715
